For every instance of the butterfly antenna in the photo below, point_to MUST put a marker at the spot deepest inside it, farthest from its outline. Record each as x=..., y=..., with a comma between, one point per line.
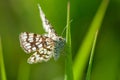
x=65, y=28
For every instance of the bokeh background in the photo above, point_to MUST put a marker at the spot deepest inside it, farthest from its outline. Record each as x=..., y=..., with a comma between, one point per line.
x=17, y=16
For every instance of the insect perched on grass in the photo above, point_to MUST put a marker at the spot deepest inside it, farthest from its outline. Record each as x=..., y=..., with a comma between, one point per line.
x=43, y=47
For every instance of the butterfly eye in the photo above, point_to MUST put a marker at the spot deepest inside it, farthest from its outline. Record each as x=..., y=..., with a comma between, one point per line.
x=60, y=39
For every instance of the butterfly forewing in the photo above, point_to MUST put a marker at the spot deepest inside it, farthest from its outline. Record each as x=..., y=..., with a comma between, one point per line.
x=42, y=46
x=30, y=42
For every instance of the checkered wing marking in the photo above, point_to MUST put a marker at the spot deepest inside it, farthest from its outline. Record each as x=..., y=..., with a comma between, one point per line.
x=46, y=24
x=44, y=53
x=42, y=46
x=30, y=42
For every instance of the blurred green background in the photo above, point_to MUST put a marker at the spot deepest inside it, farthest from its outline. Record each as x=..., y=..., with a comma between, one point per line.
x=18, y=16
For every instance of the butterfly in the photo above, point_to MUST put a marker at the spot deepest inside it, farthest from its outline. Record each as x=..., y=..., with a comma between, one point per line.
x=43, y=47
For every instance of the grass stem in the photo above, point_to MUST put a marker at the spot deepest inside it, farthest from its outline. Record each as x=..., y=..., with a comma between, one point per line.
x=68, y=58
x=91, y=57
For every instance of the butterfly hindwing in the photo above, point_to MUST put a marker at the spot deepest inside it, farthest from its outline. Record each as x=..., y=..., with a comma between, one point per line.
x=42, y=55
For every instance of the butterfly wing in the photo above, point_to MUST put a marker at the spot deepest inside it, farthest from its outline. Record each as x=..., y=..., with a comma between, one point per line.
x=30, y=42
x=43, y=55
x=42, y=46
x=47, y=26
x=59, y=45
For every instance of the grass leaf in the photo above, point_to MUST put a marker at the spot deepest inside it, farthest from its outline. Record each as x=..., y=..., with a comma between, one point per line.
x=91, y=57
x=83, y=52
x=2, y=65
x=68, y=58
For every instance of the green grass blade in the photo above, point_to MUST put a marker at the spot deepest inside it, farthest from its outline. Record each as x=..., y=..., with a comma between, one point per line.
x=68, y=58
x=91, y=57
x=2, y=65
x=83, y=53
